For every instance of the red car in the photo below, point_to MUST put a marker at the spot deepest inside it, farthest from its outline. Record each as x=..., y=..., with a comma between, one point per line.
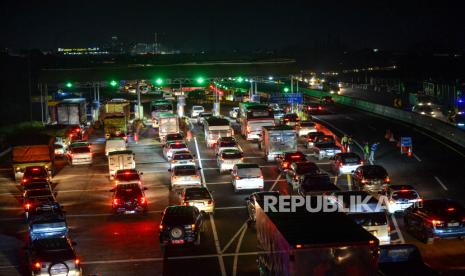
x=35, y=173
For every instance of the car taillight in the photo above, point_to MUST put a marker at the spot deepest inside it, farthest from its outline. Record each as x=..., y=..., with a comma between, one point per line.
x=161, y=226
x=115, y=201
x=196, y=176
x=362, y=163
x=238, y=177
x=187, y=203
x=249, y=129
x=116, y=182
x=261, y=176
x=193, y=226
x=387, y=179
x=364, y=181
x=437, y=222
x=285, y=164
x=27, y=206
x=77, y=261
x=320, y=108
x=142, y=200
x=37, y=265
x=210, y=202
x=24, y=180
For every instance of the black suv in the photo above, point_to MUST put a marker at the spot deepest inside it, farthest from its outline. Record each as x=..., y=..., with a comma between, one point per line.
x=181, y=225
x=53, y=256
x=316, y=184
x=129, y=199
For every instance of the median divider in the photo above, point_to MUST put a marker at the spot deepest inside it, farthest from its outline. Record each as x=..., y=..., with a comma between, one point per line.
x=446, y=131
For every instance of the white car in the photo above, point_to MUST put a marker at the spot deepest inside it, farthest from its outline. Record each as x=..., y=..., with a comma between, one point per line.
x=246, y=176
x=345, y=163
x=234, y=112
x=202, y=117
x=227, y=158
x=306, y=127
x=400, y=197
x=226, y=143
x=196, y=110
x=184, y=176
x=199, y=197
x=182, y=158
x=80, y=156
x=170, y=148
x=114, y=144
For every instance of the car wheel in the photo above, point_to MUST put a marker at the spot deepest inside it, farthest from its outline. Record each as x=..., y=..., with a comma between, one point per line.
x=425, y=238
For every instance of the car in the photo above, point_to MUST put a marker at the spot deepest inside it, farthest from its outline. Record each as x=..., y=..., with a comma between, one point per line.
x=278, y=114
x=170, y=148
x=400, y=197
x=183, y=176
x=59, y=150
x=127, y=176
x=182, y=158
x=314, y=108
x=285, y=160
x=32, y=173
x=345, y=163
x=53, y=256
x=37, y=198
x=78, y=144
x=403, y=259
x=327, y=100
x=324, y=147
x=199, y=197
x=247, y=176
x=173, y=137
x=297, y=170
x=203, y=116
x=425, y=110
x=311, y=137
x=196, y=110
x=234, y=112
x=181, y=225
x=316, y=184
x=290, y=119
x=459, y=120
x=226, y=143
x=36, y=184
x=371, y=178
x=74, y=133
x=79, y=155
x=227, y=158
x=119, y=134
x=435, y=219
x=129, y=199
x=305, y=128
x=254, y=199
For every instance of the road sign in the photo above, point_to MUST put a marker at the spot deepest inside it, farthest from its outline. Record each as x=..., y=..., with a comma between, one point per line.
x=286, y=98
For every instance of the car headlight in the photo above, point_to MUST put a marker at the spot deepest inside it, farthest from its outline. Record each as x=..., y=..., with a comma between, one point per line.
x=18, y=169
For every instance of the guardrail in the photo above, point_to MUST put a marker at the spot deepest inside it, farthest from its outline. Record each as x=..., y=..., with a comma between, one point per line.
x=449, y=132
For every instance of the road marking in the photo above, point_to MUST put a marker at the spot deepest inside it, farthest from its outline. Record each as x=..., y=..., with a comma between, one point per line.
x=200, y=160
x=234, y=237
x=217, y=245
x=349, y=182
x=416, y=157
x=440, y=183
x=396, y=226
x=275, y=182
x=335, y=180
x=238, y=247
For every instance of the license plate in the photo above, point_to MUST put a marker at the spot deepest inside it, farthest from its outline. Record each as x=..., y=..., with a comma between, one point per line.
x=198, y=204
x=129, y=212
x=183, y=162
x=455, y=224
x=177, y=241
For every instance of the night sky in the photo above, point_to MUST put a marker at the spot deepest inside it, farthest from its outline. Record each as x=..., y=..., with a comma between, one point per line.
x=233, y=25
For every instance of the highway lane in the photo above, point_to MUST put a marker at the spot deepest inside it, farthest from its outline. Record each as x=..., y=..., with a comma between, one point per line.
x=124, y=245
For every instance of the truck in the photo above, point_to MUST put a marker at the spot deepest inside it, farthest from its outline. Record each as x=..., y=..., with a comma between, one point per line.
x=32, y=150
x=168, y=123
x=72, y=112
x=216, y=127
x=115, y=107
x=313, y=243
x=120, y=160
x=116, y=125
x=252, y=117
x=159, y=106
x=277, y=140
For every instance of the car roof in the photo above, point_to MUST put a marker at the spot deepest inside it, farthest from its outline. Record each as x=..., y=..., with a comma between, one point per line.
x=179, y=210
x=247, y=166
x=189, y=189
x=401, y=187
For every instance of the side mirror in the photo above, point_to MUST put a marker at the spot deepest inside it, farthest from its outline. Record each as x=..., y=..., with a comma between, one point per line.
x=141, y=173
x=112, y=190
x=199, y=168
x=145, y=188
x=193, y=155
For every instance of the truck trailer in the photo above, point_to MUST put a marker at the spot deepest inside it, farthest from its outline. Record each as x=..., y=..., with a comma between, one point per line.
x=72, y=112
x=216, y=127
x=168, y=123
x=313, y=243
x=277, y=140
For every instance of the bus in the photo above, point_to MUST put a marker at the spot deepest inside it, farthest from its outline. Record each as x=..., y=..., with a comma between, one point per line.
x=252, y=117
x=160, y=106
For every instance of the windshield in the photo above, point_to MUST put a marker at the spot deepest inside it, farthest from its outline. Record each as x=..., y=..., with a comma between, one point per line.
x=37, y=193
x=306, y=168
x=36, y=185
x=374, y=172
x=369, y=219
x=198, y=107
x=283, y=142
x=249, y=172
x=409, y=195
x=351, y=160
x=81, y=150
x=197, y=194
x=228, y=144
x=182, y=156
x=174, y=137
x=307, y=124
x=317, y=183
x=128, y=190
x=185, y=171
x=162, y=107
x=178, y=146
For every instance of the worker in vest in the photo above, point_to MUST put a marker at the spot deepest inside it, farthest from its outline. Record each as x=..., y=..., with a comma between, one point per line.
x=366, y=151
x=344, y=142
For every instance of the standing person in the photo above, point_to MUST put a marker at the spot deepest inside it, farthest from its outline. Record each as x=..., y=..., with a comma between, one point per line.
x=366, y=151
x=373, y=149
x=349, y=143
x=344, y=142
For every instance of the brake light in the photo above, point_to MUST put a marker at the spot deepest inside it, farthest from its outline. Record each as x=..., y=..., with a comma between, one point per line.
x=196, y=176
x=116, y=182
x=77, y=261
x=193, y=226
x=186, y=203
x=362, y=163
x=387, y=179
x=298, y=246
x=309, y=108
x=285, y=164
x=364, y=181
x=320, y=108
x=35, y=169
x=238, y=177
x=139, y=182
x=249, y=129
x=451, y=209
x=142, y=200
x=161, y=226
x=261, y=176
x=37, y=265
x=210, y=202
x=115, y=201
x=27, y=206
x=24, y=180
x=437, y=222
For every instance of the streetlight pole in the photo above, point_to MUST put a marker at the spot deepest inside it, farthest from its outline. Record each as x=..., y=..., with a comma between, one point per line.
x=138, y=100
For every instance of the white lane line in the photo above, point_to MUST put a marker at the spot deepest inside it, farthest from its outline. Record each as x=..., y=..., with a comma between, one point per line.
x=440, y=183
x=275, y=182
x=217, y=245
x=416, y=157
x=200, y=159
x=396, y=226
x=234, y=237
x=238, y=248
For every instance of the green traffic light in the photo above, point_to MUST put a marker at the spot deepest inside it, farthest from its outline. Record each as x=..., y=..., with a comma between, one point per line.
x=240, y=79
x=69, y=85
x=113, y=83
x=200, y=80
x=286, y=89
x=159, y=81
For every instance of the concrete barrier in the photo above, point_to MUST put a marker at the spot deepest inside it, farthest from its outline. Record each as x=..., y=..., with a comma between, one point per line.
x=449, y=132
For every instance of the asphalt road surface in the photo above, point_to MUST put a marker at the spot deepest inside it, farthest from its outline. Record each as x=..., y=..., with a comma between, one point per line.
x=128, y=245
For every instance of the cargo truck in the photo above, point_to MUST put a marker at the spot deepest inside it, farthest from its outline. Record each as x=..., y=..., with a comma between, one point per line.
x=313, y=243
x=158, y=107
x=72, y=112
x=168, y=123
x=120, y=160
x=115, y=107
x=216, y=127
x=32, y=150
x=277, y=140
x=252, y=117
x=115, y=126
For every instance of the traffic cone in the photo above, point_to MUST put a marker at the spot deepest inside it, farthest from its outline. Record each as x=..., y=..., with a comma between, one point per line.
x=136, y=136
x=409, y=153
x=388, y=134
x=392, y=139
